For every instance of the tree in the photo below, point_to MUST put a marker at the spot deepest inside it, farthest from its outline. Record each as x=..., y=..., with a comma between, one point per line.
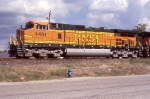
x=140, y=27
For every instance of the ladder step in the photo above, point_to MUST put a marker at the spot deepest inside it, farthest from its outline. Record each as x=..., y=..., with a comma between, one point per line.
x=19, y=52
x=19, y=48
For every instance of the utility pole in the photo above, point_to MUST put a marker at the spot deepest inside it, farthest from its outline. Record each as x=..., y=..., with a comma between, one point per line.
x=49, y=16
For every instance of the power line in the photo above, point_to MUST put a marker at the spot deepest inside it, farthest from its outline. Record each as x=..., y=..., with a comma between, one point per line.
x=7, y=27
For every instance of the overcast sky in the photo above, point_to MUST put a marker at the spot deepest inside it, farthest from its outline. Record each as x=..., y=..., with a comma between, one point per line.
x=120, y=14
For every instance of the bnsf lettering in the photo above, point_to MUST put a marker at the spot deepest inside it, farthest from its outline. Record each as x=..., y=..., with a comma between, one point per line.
x=86, y=38
x=40, y=34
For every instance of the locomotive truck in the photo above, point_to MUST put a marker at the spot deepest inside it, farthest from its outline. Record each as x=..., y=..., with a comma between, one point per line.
x=45, y=39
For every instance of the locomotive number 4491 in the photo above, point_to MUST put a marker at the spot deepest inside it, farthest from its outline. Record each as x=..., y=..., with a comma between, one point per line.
x=40, y=34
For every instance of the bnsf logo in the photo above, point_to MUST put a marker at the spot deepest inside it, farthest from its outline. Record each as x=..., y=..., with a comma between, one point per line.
x=86, y=38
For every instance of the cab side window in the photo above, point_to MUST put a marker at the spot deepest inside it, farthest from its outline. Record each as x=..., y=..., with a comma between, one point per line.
x=37, y=26
x=46, y=27
x=41, y=27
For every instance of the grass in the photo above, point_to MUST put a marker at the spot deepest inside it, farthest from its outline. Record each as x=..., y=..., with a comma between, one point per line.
x=8, y=74
x=32, y=75
x=59, y=73
x=111, y=72
x=29, y=73
x=82, y=68
x=145, y=61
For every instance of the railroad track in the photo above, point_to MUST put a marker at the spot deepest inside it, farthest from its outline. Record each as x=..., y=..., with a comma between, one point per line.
x=34, y=61
x=76, y=58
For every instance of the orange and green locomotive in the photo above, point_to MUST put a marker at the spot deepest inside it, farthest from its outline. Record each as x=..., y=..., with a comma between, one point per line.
x=44, y=39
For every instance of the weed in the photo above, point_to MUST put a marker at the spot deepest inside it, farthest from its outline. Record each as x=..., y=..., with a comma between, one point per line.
x=69, y=65
x=82, y=75
x=58, y=73
x=7, y=74
x=100, y=73
x=133, y=61
x=146, y=62
x=33, y=75
x=116, y=72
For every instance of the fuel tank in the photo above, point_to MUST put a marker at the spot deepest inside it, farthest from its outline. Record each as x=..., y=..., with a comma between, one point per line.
x=71, y=52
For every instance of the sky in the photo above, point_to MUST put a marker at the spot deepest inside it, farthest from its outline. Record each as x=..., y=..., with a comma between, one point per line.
x=113, y=14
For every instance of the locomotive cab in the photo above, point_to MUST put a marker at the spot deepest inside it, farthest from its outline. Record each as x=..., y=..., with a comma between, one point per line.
x=33, y=32
x=26, y=36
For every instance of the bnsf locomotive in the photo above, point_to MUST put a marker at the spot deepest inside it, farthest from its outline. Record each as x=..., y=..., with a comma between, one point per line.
x=44, y=39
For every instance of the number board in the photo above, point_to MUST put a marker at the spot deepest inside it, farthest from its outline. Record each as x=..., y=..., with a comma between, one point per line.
x=40, y=34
